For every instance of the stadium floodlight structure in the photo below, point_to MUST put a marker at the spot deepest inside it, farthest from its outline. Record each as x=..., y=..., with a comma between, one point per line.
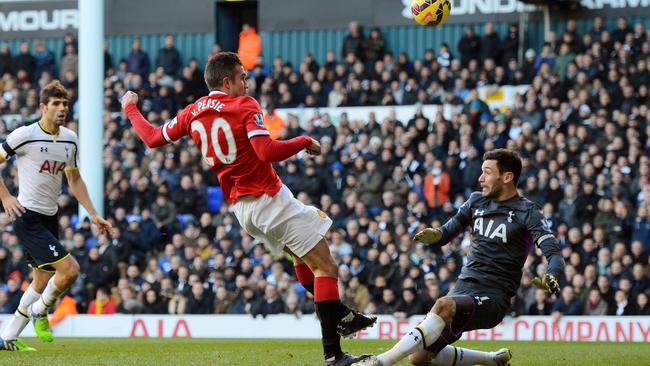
x=91, y=97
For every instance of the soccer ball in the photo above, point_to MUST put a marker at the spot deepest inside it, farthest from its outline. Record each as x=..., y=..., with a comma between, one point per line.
x=430, y=13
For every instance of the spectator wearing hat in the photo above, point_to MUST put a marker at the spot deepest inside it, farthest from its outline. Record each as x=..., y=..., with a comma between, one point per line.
x=529, y=69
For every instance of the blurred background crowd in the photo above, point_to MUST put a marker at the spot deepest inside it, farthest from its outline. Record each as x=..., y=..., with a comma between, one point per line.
x=581, y=127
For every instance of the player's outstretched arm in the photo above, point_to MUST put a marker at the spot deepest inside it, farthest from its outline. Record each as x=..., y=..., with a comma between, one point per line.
x=150, y=135
x=271, y=151
x=80, y=192
x=444, y=234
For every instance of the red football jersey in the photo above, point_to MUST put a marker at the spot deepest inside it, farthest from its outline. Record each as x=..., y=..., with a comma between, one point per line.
x=222, y=125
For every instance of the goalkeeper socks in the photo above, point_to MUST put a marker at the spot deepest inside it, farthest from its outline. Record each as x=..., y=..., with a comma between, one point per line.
x=305, y=276
x=425, y=334
x=21, y=316
x=459, y=356
x=48, y=299
x=328, y=305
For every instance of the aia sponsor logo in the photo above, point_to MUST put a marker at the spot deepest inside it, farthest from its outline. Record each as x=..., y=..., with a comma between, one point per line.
x=52, y=167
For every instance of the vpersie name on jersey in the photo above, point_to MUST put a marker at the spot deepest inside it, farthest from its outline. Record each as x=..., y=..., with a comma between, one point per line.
x=208, y=103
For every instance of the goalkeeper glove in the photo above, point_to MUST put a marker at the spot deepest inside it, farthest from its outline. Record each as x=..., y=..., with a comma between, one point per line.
x=428, y=236
x=548, y=283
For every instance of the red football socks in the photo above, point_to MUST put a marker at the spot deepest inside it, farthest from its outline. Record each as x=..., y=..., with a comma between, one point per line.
x=326, y=289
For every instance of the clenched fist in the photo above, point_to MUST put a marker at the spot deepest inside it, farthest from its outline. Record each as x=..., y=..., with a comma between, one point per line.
x=129, y=98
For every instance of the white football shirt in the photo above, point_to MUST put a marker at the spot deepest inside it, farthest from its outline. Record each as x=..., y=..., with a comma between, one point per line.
x=41, y=159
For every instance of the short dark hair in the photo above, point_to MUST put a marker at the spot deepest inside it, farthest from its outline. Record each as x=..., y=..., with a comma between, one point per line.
x=507, y=161
x=220, y=66
x=53, y=90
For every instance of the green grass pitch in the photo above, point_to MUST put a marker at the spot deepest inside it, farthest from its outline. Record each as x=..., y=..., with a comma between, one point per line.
x=184, y=351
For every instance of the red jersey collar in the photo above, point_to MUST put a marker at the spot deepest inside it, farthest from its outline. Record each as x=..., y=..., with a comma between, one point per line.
x=216, y=92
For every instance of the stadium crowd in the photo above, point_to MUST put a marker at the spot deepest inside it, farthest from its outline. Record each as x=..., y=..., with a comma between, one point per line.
x=582, y=129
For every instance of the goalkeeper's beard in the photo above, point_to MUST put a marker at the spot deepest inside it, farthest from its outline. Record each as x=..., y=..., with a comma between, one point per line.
x=495, y=192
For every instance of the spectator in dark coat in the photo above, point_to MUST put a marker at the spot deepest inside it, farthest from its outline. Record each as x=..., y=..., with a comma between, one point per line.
x=138, y=60
x=469, y=46
x=510, y=45
x=567, y=304
x=200, y=300
x=44, y=60
x=388, y=303
x=641, y=227
x=491, y=44
x=168, y=57
x=642, y=306
x=409, y=304
x=134, y=237
x=6, y=61
x=186, y=198
x=25, y=61
x=374, y=46
x=353, y=42
x=271, y=303
x=153, y=304
x=108, y=59
x=97, y=271
x=14, y=293
x=541, y=306
x=68, y=39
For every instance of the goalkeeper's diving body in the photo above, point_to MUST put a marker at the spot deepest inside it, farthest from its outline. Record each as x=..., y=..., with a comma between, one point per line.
x=504, y=227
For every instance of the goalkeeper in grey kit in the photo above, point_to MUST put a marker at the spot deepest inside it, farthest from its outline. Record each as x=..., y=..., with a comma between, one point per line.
x=504, y=227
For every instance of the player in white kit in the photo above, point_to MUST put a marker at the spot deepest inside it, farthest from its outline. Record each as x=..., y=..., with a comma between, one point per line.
x=44, y=151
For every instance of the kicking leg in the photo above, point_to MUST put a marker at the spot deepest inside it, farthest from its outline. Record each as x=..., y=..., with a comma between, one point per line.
x=327, y=302
x=67, y=271
x=351, y=321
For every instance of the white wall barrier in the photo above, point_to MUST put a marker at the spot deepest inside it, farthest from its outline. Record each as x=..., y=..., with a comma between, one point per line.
x=494, y=96
x=402, y=112
x=580, y=329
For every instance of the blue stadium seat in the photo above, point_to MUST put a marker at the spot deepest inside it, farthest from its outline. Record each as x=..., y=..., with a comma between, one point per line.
x=215, y=198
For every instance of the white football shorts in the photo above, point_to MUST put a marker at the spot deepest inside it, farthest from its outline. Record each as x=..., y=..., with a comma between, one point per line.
x=281, y=221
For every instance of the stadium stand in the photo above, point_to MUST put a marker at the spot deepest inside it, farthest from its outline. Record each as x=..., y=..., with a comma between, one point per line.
x=582, y=128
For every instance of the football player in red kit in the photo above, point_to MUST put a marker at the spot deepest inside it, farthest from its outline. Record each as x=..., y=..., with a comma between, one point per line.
x=228, y=127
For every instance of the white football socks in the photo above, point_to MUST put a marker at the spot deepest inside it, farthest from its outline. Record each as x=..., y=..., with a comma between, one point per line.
x=425, y=334
x=458, y=356
x=21, y=316
x=48, y=299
